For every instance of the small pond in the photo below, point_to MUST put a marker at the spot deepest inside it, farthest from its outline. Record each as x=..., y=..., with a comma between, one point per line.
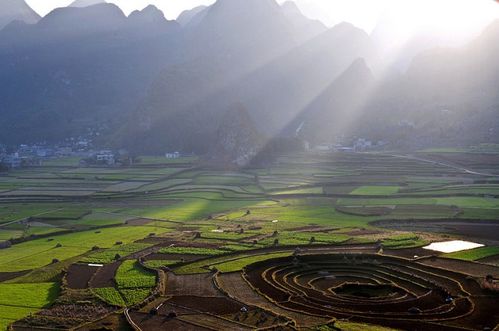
x=452, y=246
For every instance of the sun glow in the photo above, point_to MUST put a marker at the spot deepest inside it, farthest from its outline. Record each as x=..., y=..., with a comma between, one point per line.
x=452, y=17
x=408, y=16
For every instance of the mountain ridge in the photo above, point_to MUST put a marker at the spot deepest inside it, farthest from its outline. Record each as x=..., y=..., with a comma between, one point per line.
x=150, y=84
x=16, y=10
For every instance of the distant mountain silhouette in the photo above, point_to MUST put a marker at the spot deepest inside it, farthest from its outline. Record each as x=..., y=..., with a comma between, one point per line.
x=216, y=71
x=192, y=16
x=237, y=139
x=85, y=3
x=16, y=10
x=150, y=85
x=303, y=25
x=79, y=68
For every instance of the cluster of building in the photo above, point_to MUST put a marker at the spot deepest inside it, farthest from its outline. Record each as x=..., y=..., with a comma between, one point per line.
x=107, y=158
x=30, y=155
x=357, y=145
x=173, y=155
x=33, y=155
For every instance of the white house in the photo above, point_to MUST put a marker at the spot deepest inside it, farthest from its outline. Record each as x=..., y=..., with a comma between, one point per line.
x=106, y=157
x=174, y=155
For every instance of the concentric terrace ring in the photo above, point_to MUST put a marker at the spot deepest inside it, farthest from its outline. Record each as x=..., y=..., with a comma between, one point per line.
x=390, y=290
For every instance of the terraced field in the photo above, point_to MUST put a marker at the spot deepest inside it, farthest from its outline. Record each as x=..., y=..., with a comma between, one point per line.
x=370, y=288
x=313, y=241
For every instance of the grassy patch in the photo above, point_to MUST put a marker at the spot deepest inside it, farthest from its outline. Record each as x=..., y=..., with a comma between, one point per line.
x=28, y=295
x=135, y=295
x=375, y=190
x=474, y=254
x=132, y=275
x=239, y=264
x=156, y=264
x=110, y=295
x=38, y=253
x=191, y=250
x=108, y=255
x=134, y=282
x=305, y=238
x=19, y=300
x=403, y=241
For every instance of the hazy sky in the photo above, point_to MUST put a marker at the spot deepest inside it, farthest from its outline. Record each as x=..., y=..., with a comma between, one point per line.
x=454, y=16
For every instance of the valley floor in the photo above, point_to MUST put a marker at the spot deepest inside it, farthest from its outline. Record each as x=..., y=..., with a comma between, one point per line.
x=175, y=245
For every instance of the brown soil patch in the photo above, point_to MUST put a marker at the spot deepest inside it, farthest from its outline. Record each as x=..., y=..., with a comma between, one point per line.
x=212, y=305
x=164, y=308
x=425, y=287
x=238, y=288
x=408, y=253
x=86, y=312
x=215, y=322
x=139, y=221
x=78, y=275
x=492, y=260
x=465, y=267
x=64, y=316
x=4, y=276
x=113, y=322
x=191, y=285
x=104, y=277
x=158, y=322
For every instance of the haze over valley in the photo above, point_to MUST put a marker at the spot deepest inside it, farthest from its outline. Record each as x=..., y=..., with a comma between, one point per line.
x=147, y=83
x=201, y=165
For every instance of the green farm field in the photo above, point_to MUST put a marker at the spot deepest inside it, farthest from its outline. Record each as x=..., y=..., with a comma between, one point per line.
x=145, y=227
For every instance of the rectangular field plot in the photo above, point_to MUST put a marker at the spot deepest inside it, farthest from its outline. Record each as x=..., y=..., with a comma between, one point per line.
x=475, y=254
x=375, y=190
x=124, y=186
x=238, y=264
x=41, y=252
x=20, y=300
x=134, y=282
x=290, y=212
x=465, y=202
x=109, y=255
x=53, y=192
x=195, y=208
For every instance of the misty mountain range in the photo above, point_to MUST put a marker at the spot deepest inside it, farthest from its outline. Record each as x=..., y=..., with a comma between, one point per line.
x=152, y=85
